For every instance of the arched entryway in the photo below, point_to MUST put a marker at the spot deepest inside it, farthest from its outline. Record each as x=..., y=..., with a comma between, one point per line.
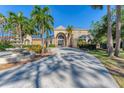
x=27, y=42
x=61, y=39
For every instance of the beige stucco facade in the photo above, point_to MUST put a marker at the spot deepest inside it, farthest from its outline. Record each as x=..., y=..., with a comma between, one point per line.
x=36, y=41
x=60, y=37
x=76, y=33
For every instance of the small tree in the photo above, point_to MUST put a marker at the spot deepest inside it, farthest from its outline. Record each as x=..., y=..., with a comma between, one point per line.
x=69, y=30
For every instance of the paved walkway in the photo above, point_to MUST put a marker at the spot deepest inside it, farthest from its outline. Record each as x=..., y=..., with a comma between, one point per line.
x=70, y=67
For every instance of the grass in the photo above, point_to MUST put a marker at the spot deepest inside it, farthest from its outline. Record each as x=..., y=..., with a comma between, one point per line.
x=122, y=54
x=114, y=65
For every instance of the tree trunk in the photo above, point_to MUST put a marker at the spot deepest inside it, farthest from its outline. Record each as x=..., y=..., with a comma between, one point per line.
x=21, y=41
x=70, y=40
x=109, y=33
x=17, y=37
x=42, y=40
x=2, y=33
x=118, y=30
x=2, y=38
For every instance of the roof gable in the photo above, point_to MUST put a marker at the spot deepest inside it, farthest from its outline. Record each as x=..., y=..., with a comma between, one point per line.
x=60, y=27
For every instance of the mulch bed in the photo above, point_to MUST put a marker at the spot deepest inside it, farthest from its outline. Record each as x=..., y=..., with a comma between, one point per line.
x=37, y=57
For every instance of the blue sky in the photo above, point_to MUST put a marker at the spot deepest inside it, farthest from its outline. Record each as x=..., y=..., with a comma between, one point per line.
x=78, y=16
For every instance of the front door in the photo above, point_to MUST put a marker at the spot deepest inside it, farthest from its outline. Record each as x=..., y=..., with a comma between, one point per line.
x=61, y=40
x=61, y=43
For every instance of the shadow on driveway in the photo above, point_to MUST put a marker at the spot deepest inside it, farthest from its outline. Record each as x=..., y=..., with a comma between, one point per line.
x=69, y=68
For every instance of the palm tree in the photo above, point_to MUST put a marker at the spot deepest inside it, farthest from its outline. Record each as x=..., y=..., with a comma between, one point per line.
x=15, y=22
x=43, y=21
x=28, y=28
x=2, y=22
x=109, y=32
x=69, y=30
x=118, y=30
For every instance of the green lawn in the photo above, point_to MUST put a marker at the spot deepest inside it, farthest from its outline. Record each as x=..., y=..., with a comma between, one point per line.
x=122, y=54
x=115, y=66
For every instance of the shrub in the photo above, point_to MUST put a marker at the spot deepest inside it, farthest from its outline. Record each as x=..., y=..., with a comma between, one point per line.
x=5, y=44
x=103, y=46
x=52, y=45
x=35, y=48
x=88, y=46
x=81, y=42
x=2, y=48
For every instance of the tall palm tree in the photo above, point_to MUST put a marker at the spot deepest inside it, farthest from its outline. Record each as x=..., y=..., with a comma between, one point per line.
x=109, y=32
x=43, y=20
x=2, y=22
x=69, y=30
x=16, y=22
x=118, y=30
x=28, y=28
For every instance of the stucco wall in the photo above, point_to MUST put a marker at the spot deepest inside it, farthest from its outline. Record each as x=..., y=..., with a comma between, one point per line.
x=75, y=34
x=56, y=32
x=29, y=38
x=36, y=41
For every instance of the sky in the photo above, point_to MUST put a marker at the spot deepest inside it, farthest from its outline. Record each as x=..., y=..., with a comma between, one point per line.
x=78, y=16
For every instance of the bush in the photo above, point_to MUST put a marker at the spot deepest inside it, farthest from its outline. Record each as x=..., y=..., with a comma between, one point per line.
x=35, y=48
x=81, y=42
x=2, y=48
x=88, y=46
x=52, y=45
x=5, y=44
x=103, y=46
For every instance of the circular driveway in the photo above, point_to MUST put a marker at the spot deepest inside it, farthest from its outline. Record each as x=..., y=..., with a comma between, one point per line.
x=70, y=67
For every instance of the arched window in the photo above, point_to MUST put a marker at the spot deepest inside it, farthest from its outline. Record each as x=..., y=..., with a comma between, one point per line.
x=27, y=42
x=61, y=37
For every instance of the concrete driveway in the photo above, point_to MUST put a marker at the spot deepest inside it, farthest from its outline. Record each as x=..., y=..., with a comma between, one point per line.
x=70, y=67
